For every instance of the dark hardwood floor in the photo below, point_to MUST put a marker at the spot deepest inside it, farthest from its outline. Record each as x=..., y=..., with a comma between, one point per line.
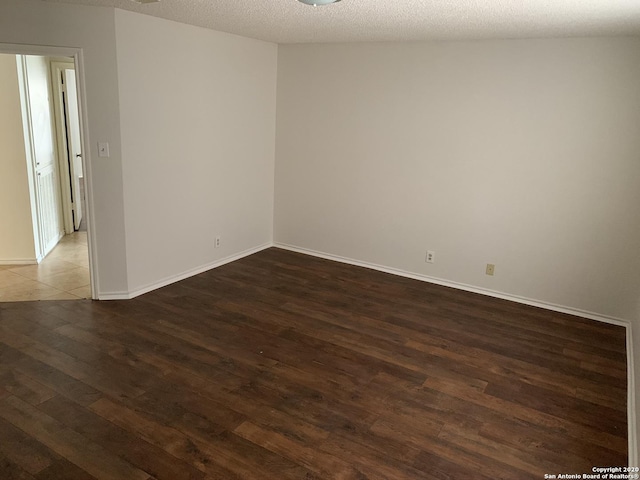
x=284, y=366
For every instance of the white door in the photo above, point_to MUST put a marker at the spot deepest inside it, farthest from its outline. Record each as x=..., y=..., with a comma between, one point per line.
x=43, y=152
x=74, y=144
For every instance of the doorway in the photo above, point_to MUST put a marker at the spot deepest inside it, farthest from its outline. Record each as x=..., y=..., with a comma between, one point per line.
x=55, y=264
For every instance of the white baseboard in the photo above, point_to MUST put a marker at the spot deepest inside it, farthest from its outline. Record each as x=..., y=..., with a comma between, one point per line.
x=631, y=401
x=20, y=261
x=631, y=395
x=114, y=296
x=181, y=276
x=460, y=286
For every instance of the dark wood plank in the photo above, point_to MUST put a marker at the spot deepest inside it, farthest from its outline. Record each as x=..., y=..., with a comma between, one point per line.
x=67, y=443
x=220, y=453
x=23, y=450
x=64, y=469
x=12, y=471
x=22, y=386
x=141, y=454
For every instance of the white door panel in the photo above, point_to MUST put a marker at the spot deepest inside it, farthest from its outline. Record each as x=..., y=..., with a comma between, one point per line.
x=41, y=121
x=49, y=205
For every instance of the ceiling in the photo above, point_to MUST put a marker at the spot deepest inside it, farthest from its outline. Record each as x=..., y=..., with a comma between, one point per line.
x=289, y=21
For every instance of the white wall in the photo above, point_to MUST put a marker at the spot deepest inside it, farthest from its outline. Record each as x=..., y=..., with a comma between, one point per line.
x=16, y=231
x=198, y=140
x=34, y=22
x=519, y=153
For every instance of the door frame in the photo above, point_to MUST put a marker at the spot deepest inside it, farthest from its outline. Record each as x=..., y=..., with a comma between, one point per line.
x=56, y=66
x=78, y=60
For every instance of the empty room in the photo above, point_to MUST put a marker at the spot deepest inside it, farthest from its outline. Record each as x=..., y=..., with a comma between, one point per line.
x=337, y=240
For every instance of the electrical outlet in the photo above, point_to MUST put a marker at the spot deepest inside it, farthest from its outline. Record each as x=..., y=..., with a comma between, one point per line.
x=431, y=256
x=490, y=268
x=217, y=242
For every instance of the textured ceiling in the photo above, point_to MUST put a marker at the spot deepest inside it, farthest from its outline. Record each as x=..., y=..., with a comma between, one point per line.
x=289, y=21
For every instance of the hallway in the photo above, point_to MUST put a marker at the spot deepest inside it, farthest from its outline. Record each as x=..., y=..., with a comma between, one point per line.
x=62, y=275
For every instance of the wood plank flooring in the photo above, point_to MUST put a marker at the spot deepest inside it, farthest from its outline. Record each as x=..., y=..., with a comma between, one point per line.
x=284, y=366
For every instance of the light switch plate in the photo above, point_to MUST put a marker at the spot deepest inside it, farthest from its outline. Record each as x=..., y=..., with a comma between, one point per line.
x=103, y=149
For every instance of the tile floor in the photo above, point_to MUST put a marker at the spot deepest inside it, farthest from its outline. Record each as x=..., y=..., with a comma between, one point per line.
x=62, y=275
